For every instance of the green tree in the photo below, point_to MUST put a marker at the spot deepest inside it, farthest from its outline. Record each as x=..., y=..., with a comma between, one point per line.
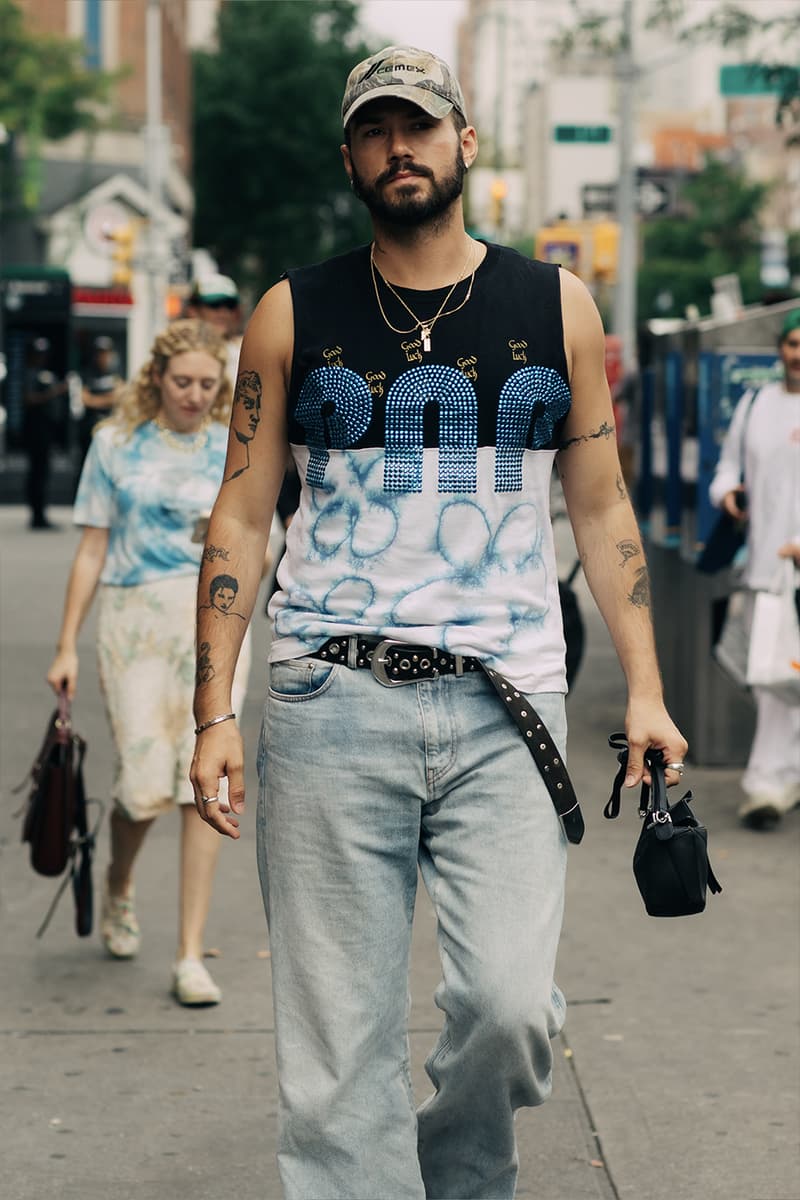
x=270, y=186
x=46, y=93
x=717, y=233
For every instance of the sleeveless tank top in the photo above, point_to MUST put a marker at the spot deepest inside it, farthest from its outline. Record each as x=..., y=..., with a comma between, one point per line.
x=424, y=512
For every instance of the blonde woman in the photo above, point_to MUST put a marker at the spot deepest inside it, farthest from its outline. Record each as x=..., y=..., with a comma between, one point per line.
x=147, y=487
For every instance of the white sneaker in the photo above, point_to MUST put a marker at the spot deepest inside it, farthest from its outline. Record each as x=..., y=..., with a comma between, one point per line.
x=763, y=810
x=192, y=984
x=119, y=928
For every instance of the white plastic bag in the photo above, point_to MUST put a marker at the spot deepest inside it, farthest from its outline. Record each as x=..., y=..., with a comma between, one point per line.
x=730, y=649
x=773, y=659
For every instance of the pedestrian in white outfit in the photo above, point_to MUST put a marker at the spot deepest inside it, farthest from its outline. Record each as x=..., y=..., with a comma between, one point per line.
x=764, y=437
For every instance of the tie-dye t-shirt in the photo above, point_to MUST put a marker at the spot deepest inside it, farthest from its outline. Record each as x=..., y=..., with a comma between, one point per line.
x=152, y=496
x=425, y=469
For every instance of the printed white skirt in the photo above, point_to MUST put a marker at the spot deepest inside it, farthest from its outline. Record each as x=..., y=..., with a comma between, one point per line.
x=146, y=658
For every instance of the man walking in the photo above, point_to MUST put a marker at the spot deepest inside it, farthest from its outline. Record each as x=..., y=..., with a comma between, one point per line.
x=425, y=385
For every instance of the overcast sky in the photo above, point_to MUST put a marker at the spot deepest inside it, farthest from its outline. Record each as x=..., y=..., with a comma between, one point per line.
x=429, y=24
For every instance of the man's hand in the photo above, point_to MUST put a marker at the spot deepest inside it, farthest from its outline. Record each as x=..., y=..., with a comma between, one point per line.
x=218, y=755
x=648, y=726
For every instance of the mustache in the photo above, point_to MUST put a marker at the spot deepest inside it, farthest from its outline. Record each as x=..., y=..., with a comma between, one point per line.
x=405, y=165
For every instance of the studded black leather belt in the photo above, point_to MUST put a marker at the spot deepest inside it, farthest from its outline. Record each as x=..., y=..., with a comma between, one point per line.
x=394, y=664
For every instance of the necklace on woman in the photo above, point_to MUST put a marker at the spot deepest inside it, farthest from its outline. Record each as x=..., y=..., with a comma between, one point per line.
x=184, y=443
x=425, y=327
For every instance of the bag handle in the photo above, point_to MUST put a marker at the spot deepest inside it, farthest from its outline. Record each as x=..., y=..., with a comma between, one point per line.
x=652, y=799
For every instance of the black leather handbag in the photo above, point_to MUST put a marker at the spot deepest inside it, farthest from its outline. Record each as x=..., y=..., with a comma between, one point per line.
x=670, y=862
x=55, y=823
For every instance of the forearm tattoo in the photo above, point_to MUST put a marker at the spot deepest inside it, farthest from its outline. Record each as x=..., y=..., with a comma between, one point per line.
x=205, y=671
x=222, y=593
x=245, y=419
x=605, y=431
x=639, y=596
x=628, y=550
x=212, y=552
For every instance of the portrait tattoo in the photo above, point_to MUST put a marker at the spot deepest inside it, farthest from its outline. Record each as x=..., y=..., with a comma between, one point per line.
x=640, y=593
x=605, y=431
x=221, y=597
x=627, y=550
x=212, y=552
x=205, y=671
x=245, y=418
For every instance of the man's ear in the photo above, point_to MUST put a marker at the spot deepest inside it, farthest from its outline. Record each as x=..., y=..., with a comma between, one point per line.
x=469, y=144
x=348, y=164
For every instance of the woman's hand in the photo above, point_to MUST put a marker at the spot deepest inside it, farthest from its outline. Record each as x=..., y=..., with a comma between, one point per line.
x=734, y=503
x=63, y=672
x=790, y=550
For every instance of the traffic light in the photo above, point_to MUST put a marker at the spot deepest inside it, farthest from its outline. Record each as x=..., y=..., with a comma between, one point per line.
x=123, y=237
x=498, y=192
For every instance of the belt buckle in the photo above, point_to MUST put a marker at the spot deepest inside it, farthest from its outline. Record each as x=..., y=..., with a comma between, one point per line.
x=379, y=661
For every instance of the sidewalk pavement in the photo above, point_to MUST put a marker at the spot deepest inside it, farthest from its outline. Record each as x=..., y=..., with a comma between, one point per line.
x=676, y=1076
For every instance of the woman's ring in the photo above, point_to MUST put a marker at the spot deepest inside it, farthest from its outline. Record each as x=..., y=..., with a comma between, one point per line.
x=209, y=799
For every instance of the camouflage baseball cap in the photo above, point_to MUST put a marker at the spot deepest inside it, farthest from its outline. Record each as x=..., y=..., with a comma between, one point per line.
x=408, y=74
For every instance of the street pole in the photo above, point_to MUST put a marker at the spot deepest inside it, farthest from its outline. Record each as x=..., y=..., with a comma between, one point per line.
x=154, y=145
x=500, y=47
x=625, y=297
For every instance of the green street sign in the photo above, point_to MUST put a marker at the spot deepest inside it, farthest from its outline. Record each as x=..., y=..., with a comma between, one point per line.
x=752, y=79
x=596, y=134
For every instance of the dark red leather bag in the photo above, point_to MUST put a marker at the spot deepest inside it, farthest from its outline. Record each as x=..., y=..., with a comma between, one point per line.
x=55, y=823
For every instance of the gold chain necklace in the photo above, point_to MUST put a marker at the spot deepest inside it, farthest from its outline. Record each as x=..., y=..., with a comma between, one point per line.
x=184, y=443
x=425, y=326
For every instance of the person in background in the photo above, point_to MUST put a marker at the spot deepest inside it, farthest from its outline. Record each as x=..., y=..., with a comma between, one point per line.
x=101, y=387
x=149, y=480
x=215, y=299
x=41, y=388
x=765, y=436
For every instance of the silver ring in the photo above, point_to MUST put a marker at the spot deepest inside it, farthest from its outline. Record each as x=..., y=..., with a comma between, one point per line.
x=209, y=799
x=675, y=767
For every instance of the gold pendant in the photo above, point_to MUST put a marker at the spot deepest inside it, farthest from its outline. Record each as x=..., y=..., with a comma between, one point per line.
x=426, y=338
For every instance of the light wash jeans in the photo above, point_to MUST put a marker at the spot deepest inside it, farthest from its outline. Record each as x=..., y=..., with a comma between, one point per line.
x=359, y=785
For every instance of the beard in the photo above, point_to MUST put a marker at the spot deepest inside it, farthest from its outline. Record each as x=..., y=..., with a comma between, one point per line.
x=408, y=209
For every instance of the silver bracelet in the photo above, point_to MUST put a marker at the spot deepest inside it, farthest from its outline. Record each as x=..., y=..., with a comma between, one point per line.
x=215, y=721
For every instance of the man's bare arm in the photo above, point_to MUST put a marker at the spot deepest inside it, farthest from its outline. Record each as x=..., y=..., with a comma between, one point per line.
x=605, y=527
x=236, y=541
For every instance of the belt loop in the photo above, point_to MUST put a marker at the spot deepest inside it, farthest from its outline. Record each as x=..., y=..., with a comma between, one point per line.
x=459, y=661
x=352, y=651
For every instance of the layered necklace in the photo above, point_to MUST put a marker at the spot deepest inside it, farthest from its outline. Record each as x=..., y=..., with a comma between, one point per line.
x=184, y=443
x=424, y=325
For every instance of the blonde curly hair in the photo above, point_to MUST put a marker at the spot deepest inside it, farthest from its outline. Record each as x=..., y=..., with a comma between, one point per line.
x=140, y=400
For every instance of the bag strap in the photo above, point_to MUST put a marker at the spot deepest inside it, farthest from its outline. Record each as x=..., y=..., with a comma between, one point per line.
x=743, y=434
x=544, y=752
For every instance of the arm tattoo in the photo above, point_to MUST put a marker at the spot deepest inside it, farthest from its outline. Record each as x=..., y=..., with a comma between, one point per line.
x=605, y=431
x=212, y=552
x=627, y=550
x=640, y=593
x=205, y=671
x=222, y=592
x=245, y=419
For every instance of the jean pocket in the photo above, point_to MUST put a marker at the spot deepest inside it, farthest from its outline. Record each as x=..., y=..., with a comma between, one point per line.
x=297, y=679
